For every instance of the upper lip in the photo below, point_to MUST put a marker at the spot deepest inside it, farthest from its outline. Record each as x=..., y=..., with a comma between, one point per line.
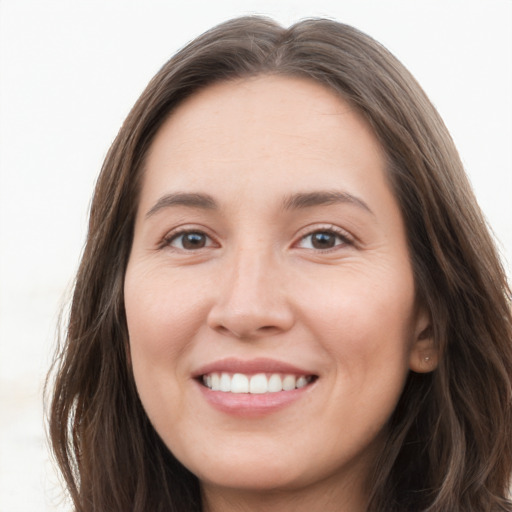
x=252, y=366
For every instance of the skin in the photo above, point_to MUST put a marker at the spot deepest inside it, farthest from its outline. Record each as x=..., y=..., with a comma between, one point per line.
x=260, y=287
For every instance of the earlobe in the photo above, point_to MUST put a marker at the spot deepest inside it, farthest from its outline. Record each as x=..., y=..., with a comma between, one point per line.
x=424, y=355
x=423, y=360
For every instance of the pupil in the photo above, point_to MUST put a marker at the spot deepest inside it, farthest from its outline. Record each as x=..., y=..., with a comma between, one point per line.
x=323, y=240
x=194, y=241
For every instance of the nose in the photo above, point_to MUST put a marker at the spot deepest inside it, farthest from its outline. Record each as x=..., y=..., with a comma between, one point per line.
x=251, y=301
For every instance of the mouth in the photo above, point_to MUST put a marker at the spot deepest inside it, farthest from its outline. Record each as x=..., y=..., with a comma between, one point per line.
x=253, y=388
x=256, y=384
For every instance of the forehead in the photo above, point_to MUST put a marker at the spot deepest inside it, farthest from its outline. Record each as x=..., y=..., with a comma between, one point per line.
x=265, y=103
x=264, y=134
x=264, y=98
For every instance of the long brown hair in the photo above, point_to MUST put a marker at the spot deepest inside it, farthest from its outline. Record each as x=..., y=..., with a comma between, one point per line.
x=450, y=441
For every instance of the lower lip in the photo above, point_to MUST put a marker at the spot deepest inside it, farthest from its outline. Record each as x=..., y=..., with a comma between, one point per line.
x=252, y=405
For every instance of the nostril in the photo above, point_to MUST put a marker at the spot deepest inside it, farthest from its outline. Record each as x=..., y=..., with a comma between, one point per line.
x=265, y=330
x=268, y=329
x=222, y=329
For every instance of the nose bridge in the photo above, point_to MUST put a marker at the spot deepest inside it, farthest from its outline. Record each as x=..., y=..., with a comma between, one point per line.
x=250, y=269
x=252, y=299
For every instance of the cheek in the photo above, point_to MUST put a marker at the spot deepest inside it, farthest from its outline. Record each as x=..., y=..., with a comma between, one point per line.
x=366, y=328
x=161, y=327
x=160, y=322
x=365, y=307
x=365, y=323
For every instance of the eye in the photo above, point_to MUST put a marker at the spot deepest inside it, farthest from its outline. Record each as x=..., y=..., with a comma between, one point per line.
x=324, y=239
x=189, y=240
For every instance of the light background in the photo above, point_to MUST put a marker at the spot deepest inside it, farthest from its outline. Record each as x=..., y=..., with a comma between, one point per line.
x=71, y=70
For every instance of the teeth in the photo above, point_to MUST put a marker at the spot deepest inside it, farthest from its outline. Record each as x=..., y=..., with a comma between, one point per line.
x=239, y=383
x=258, y=384
x=301, y=382
x=225, y=382
x=215, y=382
x=289, y=383
x=275, y=383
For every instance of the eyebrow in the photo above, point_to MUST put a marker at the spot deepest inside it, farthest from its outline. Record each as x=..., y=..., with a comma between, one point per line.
x=192, y=200
x=293, y=202
x=322, y=198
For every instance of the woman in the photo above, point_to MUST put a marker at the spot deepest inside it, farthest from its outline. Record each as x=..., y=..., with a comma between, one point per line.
x=289, y=299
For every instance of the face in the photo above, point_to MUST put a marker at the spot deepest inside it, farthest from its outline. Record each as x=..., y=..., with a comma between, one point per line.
x=269, y=294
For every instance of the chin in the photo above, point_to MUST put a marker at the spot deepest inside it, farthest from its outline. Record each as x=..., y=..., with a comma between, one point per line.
x=258, y=477
x=256, y=468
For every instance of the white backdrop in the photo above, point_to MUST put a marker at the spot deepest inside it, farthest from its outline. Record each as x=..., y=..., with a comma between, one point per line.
x=71, y=70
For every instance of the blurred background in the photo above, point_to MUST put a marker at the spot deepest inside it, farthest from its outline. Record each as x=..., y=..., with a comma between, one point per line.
x=69, y=73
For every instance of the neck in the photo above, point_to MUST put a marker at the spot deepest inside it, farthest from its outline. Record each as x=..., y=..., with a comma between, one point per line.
x=321, y=497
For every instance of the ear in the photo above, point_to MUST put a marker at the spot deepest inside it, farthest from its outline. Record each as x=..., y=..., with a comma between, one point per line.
x=424, y=355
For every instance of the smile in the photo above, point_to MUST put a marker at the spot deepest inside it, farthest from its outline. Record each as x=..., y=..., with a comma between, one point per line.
x=253, y=388
x=260, y=383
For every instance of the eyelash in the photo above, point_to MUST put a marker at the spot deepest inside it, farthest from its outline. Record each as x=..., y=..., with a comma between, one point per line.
x=343, y=236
